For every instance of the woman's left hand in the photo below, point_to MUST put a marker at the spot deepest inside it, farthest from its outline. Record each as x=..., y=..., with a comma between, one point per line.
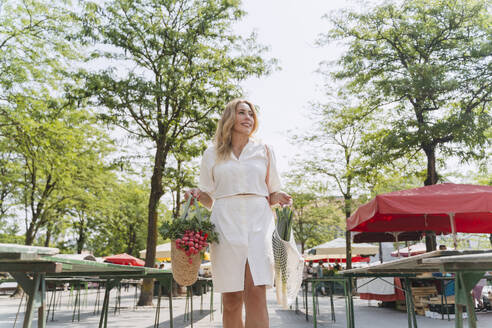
x=281, y=198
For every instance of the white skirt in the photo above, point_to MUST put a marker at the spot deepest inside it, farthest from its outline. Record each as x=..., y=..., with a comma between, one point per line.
x=245, y=225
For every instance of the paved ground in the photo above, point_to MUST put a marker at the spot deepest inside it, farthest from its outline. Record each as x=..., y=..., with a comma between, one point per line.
x=368, y=314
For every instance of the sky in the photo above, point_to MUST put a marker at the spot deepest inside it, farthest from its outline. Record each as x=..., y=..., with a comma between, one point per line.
x=289, y=28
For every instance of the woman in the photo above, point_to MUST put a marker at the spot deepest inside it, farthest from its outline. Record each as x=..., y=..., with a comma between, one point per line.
x=234, y=184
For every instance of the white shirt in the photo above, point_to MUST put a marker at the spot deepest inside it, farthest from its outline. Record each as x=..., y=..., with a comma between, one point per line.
x=243, y=175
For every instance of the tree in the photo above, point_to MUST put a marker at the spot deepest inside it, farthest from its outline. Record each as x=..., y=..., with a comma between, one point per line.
x=120, y=226
x=316, y=219
x=426, y=67
x=56, y=145
x=37, y=52
x=10, y=173
x=179, y=64
x=335, y=141
x=34, y=45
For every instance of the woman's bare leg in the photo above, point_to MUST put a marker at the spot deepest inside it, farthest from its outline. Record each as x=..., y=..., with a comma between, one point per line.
x=232, y=316
x=255, y=302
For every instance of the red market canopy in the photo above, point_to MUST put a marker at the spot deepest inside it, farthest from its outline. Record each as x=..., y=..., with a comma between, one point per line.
x=330, y=259
x=394, y=236
x=442, y=208
x=355, y=259
x=124, y=259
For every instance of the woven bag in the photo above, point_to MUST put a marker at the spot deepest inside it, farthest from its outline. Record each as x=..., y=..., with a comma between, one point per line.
x=184, y=273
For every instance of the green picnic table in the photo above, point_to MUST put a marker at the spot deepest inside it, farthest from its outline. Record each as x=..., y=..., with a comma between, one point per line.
x=468, y=270
x=31, y=265
x=472, y=268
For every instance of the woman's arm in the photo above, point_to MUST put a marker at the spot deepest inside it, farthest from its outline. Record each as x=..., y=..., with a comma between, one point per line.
x=201, y=196
x=281, y=198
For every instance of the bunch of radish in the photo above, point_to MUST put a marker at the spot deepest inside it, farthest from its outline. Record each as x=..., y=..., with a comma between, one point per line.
x=192, y=243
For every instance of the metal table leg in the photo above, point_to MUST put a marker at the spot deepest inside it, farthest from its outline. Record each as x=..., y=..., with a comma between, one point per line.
x=470, y=307
x=191, y=302
x=349, y=303
x=158, y=308
x=212, y=302
x=110, y=284
x=446, y=303
x=171, y=280
x=412, y=319
x=332, y=306
x=313, y=292
x=35, y=296
x=306, y=299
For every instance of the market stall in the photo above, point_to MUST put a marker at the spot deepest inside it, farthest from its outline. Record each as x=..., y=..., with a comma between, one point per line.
x=338, y=246
x=124, y=259
x=442, y=208
x=468, y=267
x=162, y=252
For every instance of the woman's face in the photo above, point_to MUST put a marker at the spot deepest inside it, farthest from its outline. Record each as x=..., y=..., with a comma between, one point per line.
x=244, y=119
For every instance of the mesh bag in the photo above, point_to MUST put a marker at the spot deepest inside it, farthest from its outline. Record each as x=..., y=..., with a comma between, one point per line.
x=289, y=265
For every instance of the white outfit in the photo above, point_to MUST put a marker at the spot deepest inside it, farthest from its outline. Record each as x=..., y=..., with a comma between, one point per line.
x=244, y=222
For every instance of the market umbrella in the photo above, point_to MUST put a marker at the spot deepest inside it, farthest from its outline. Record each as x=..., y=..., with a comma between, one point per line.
x=410, y=250
x=124, y=259
x=442, y=208
x=393, y=236
x=334, y=257
x=161, y=251
x=337, y=246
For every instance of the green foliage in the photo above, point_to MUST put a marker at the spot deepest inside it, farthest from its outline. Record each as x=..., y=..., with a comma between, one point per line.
x=118, y=222
x=316, y=218
x=424, y=68
x=10, y=236
x=35, y=45
x=192, y=221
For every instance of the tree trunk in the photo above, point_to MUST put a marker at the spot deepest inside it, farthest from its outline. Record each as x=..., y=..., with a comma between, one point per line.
x=147, y=289
x=131, y=240
x=348, y=254
x=29, y=235
x=178, y=191
x=81, y=239
x=430, y=152
x=48, y=237
x=348, y=236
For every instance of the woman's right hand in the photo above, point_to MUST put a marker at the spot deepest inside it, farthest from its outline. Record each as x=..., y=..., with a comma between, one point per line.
x=193, y=192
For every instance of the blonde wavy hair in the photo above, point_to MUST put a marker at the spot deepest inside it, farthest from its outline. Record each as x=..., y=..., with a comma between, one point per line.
x=223, y=134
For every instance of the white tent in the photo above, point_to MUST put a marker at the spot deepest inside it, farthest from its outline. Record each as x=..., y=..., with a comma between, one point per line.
x=410, y=250
x=337, y=246
x=162, y=250
x=86, y=257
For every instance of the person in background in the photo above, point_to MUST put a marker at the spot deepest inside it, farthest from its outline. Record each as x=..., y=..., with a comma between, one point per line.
x=321, y=286
x=477, y=293
x=310, y=269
